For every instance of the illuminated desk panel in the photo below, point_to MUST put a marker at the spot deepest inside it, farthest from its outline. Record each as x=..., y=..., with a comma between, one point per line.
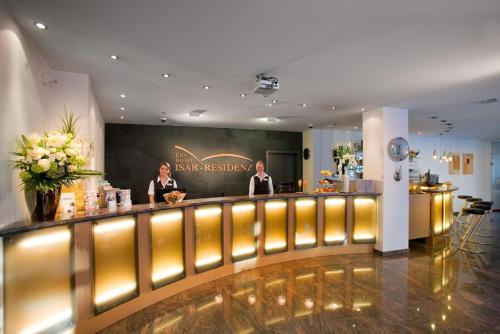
x=37, y=284
x=276, y=226
x=243, y=232
x=305, y=223
x=167, y=246
x=115, y=263
x=365, y=219
x=335, y=221
x=208, y=237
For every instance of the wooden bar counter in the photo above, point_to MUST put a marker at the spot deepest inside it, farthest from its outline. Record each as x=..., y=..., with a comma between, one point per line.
x=90, y=271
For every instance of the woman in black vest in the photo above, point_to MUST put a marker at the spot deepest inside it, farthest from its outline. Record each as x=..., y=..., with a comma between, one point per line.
x=162, y=184
x=260, y=183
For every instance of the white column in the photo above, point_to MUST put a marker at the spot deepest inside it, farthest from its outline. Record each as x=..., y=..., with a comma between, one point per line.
x=379, y=127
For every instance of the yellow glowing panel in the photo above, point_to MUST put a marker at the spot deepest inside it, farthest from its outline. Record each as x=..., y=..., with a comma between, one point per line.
x=437, y=214
x=115, y=276
x=167, y=246
x=208, y=237
x=276, y=226
x=243, y=222
x=365, y=220
x=37, y=281
x=447, y=210
x=335, y=221
x=305, y=223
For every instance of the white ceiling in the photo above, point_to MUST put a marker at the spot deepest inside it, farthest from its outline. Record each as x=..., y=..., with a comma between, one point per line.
x=434, y=57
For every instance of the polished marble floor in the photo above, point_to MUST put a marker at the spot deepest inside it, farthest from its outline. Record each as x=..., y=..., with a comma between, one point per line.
x=424, y=292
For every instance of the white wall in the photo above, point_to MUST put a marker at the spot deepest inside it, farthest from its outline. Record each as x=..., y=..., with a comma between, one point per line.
x=26, y=106
x=478, y=184
x=321, y=142
x=379, y=127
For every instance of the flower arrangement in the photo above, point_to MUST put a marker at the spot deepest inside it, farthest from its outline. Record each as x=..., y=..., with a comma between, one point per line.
x=51, y=160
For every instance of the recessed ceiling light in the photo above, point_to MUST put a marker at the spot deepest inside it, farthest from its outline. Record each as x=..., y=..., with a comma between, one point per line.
x=434, y=117
x=243, y=95
x=122, y=117
x=123, y=96
x=355, y=128
x=122, y=108
x=113, y=57
x=443, y=121
x=40, y=25
x=165, y=75
x=449, y=124
x=206, y=87
x=272, y=119
x=274, y=101
x=446, y=130
x=303, y=105
x=419, y=133
x=363, y=109
x=333, y=108
x=329, y=126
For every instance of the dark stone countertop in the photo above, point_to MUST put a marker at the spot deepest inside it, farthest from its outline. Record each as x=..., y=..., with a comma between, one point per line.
x=28, y=225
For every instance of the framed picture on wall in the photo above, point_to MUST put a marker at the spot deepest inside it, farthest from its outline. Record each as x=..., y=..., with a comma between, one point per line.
x=467, y=163
x=454, y=164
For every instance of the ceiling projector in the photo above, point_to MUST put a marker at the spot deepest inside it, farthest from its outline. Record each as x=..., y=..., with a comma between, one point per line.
x=266, y=85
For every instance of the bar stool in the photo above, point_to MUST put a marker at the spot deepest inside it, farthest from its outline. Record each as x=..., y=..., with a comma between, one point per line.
x=475, y=216
x=463, y=224
x=487, y=210
x=466, y=204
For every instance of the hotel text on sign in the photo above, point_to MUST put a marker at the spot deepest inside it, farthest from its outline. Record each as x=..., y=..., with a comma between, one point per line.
x=186, y=161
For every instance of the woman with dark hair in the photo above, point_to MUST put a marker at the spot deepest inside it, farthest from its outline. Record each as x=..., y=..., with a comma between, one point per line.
x=163, y=184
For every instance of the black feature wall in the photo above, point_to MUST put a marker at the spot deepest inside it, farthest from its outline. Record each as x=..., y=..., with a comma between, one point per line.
x=207, y=162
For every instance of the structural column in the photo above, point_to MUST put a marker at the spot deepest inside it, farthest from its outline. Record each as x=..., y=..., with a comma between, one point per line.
x=379, y=127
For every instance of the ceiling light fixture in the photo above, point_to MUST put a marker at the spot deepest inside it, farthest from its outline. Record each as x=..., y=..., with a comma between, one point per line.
x=122, y=117
x=165, y=75
x=303, y=105
x=113, y=57
x=122, y=108
x=443, y=121
x=40, y=25
x=434, y=117
x=274, y=101
x=243, y=95
x=333, y=108
x=363, y=109
x=196, y=113
x=419, y=132
x=206, y=87
x=355, y=128
x=123, y=96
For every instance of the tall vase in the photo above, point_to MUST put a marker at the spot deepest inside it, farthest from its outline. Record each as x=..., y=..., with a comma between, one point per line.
x=42, y=205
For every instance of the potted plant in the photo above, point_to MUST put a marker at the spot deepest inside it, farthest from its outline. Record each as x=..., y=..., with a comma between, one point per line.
x=46, y=163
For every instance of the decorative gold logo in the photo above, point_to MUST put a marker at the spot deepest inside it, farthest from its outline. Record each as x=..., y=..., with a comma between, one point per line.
x=186, y=161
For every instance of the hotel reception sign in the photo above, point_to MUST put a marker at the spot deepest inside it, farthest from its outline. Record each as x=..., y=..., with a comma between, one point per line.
x=188, y=162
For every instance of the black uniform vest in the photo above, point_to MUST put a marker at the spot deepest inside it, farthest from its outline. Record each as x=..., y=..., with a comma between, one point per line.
x=160, y=190
x=261, y=187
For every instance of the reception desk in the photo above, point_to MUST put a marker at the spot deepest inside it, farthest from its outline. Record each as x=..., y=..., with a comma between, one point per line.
x=85, y=273
x=431, y=214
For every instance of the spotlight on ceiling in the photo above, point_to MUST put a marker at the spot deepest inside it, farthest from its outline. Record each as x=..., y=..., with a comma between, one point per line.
x=243, y=95
x=206, y=87
x=363, y=109
x=122, y=108
x=123, y=95
x=113, y=57
x=165, y=75
x=40, y=25
x=333, y=108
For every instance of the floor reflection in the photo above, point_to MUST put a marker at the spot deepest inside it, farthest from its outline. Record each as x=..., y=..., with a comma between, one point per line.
x=442, y=291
